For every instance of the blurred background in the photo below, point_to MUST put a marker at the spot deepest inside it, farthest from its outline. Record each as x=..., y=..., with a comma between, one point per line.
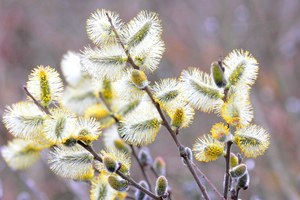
x=196, y=33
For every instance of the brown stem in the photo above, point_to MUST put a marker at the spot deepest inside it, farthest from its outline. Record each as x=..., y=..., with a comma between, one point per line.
x=136, y=185
x=141, y=166
x=91, y=150
x=165, y=122
x=108, y=107
x=208, y=181
x=130, y=60
x=36, y=102
x=128, y=178
x=154, y=172
x=192, y=170
x=227, y=167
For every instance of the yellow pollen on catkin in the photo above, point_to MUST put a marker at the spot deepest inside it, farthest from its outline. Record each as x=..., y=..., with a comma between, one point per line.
x=219, y=131
x=45, y=89
x=178, y=118
x=139, y=78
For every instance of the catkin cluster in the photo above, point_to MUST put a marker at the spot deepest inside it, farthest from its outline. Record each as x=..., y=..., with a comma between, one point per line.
x=108, y=97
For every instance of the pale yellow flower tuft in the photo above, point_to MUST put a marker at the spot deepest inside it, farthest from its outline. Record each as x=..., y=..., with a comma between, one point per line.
x=24, y=120
x=220, y=131
x=148, y=54
x=101, y=114
x=71, y=68
x=127, y=90
x=252, y=140
x=141, y=126
x=79, y=98
x=166, y=92
x=87, y=130
x=100, y=188
x=45, y=85
x=20, y=154
x=109, y=62
x=71, y=162
x=237, y=111
x=110, y=135
x=208, y=149
x=59, y=126
x=145, y=26
x=200, y=90
x=181, y=114
x=240, y=68
x=99, y=28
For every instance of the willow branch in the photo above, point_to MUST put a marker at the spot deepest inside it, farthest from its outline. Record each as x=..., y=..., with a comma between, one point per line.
x=165, y=122
x=132, y=148
x=129, y=58
x=154, y=172
x=36, y=102
x=108, y=107
x=141, y=167
x=125, y=177
x=208, y=181
x=227, y=167
x=181, y=148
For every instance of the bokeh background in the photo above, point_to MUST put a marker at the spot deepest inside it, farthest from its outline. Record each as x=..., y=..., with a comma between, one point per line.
x=196, y=32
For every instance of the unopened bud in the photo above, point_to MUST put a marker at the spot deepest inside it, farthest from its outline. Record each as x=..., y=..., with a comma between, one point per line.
x=161, y=186
x=238, y=171
x=189, y=155
x=234, y=160
x=122, y=146
x=243, y=182
x=145, y=157
x=110, y=164
x=139, y=78
x=159, y=166
x=139, y=195
x=118, y=183
x=70, y=142
x=218, y=74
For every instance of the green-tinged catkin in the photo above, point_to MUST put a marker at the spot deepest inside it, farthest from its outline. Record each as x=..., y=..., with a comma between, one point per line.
x=117, y=183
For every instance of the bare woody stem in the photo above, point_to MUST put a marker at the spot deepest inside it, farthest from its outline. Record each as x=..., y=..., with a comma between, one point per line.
x=209, y=182
x=165, y=122
x=181, y=148
x=125, y=177
x=96, y=156
x=130, y=60
x=132, y=148
x=36, y=102
x=141, y=166
x=227, y=167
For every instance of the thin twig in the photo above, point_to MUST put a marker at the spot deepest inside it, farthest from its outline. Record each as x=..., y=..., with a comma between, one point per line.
x=132, y=148
x=154, y=172
x=36, y=102
x=130, y=197
x=130, y=60
x=208, y=181
x=108, y=107
x=91, y=150
x=142, y=167
x=227, y=167
x=165, y=122
x=192, y=170
x=174, y=136
x=136, y=185
x=128, y=178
